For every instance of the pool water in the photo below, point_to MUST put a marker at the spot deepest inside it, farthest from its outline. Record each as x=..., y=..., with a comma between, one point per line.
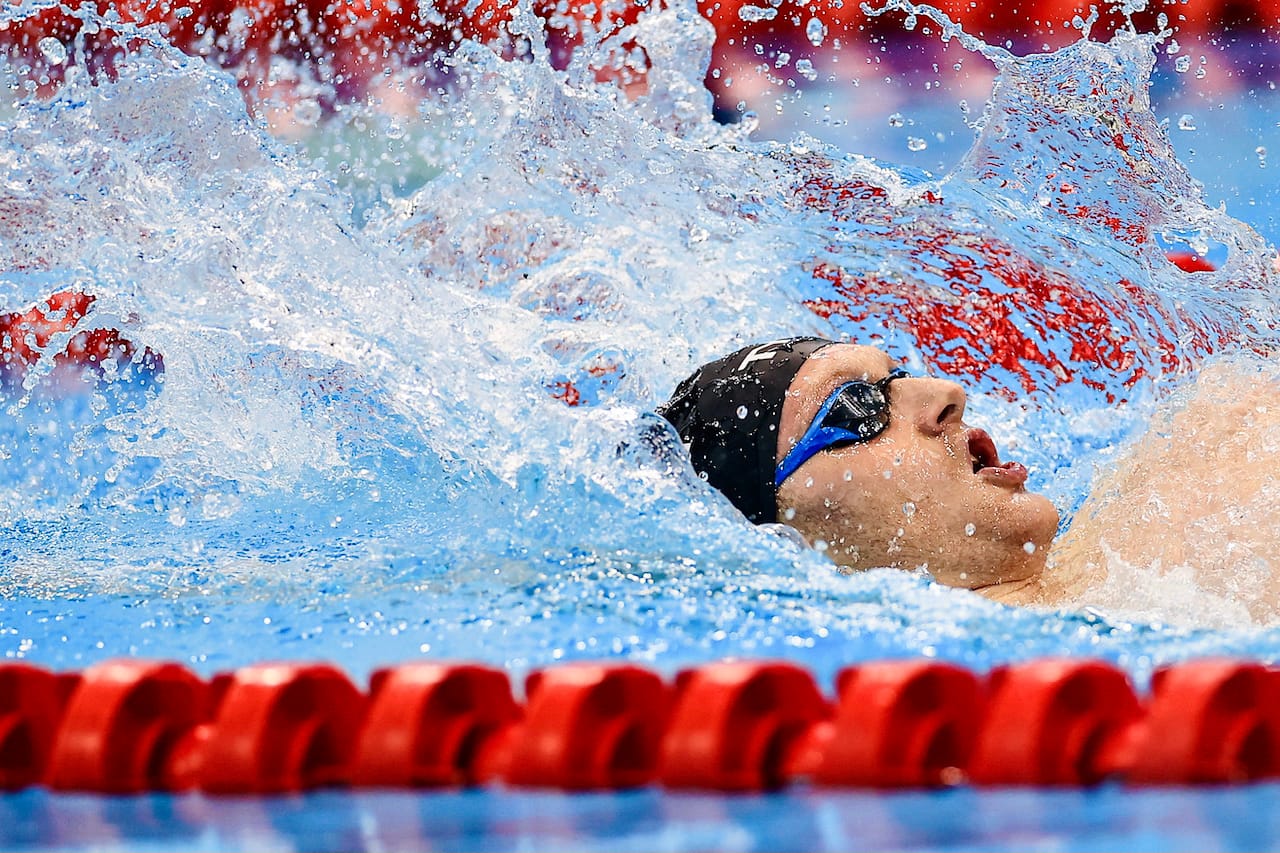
x=1239, y=818
x=411, y=351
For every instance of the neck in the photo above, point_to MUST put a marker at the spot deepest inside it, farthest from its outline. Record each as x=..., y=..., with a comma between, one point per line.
x=1026, y=591
x=1064, y=579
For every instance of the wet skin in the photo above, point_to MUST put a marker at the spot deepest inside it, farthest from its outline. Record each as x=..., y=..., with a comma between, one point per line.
x=929, y=491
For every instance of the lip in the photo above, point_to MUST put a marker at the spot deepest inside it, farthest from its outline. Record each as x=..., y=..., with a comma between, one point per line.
x=985, y=460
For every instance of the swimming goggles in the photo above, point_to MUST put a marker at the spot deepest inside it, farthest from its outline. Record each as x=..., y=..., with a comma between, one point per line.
x=856, y=411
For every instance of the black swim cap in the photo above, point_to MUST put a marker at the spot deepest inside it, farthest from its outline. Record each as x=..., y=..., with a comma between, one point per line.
x=728, y=412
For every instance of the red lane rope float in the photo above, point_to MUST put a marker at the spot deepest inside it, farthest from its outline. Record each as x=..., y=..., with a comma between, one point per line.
x=1053, y=723
x=1234, y=731
x=736, y=724
x=128, y=726
x=429, y=724
x=120, y=724
x=589, y=727
x=915, y=725
x=284, y=727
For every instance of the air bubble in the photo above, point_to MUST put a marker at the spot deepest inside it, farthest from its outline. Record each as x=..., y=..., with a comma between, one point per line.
x=742, y=413
x=1029, y=547
x=896, y=120
x=1182, y=64
x=915, y=143
x=908, y=509
x=970, y=529
x=1187, y=122
x=806, y=70
x=1261, y=151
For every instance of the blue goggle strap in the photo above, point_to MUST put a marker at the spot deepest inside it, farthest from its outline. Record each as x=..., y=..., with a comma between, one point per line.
x=818, y=438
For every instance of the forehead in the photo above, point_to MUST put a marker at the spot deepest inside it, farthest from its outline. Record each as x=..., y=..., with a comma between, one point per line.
x=825, y=371
x=832, y=366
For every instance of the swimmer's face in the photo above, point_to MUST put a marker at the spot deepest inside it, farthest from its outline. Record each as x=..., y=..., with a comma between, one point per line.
x=928, y=491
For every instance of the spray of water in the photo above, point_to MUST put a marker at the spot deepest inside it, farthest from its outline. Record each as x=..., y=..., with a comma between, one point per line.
x=410, y=355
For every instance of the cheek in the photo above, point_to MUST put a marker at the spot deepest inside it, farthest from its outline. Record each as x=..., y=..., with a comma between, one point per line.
x=864, y=489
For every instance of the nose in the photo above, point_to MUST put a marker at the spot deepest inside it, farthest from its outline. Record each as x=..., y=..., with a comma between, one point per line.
x=933, y=404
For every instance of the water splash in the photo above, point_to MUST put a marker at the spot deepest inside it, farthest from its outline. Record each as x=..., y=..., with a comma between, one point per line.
x=403, y=415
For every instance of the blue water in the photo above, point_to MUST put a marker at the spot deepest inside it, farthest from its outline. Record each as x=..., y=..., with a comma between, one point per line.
x=359, y=449
x=1240, y=818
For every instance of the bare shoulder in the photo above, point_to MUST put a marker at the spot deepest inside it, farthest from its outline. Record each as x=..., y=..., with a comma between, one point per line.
x=1196, y=493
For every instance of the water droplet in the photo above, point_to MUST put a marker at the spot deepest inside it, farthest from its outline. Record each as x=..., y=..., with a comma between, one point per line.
x=895, y=120
x=1182, y=64
x=1200, y=73
x=909, y=22
x=970, y=529
x=742, y=413
x=805, y=68
x=848, y=476
x=908, y=509
x=1029, y=547
x=1187, y=122
x=751, y=14
x=915, y=143
x=1261, y=151
x=782, y=60
x=816, y=31
x=790, y=513
x=53, y=50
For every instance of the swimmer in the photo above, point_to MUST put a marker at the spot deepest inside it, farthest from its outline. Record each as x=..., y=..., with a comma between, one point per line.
x=877, y=468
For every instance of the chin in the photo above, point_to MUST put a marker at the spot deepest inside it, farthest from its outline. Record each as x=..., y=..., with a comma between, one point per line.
x=1044, y=521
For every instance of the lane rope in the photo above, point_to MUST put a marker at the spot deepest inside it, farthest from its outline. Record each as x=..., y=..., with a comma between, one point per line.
x=129, y=726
